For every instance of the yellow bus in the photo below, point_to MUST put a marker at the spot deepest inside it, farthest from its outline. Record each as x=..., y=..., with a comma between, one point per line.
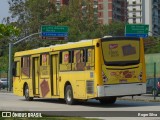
x=102, y=69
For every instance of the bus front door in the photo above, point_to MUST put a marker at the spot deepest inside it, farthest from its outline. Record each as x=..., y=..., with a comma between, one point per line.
x=54, y=75
x=35, y=75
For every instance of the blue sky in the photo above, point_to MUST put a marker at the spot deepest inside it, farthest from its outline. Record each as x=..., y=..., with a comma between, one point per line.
x=4, y=9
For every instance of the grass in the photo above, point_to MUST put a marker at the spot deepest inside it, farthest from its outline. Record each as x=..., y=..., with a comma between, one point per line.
x=45, y=118
x=50, y=118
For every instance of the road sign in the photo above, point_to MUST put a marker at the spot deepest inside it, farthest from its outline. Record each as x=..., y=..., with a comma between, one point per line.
x=56, y=34
x=55, y=38
x=136, y=30
x=49, y=28
x=136, y=35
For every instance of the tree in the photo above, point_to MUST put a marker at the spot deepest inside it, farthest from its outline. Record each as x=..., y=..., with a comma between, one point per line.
x=152, y=45
x=78, y=15
x=6, y=31
x=30, y=15
x=115, y=28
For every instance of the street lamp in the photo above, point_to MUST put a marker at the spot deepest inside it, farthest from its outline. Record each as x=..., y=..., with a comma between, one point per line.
x=10, y=57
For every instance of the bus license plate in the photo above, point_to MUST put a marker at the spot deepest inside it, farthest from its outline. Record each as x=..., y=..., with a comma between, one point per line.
x=123, y=81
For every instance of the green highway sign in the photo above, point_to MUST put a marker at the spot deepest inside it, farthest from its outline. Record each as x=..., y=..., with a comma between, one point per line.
x=49, y=28
x=137, y=28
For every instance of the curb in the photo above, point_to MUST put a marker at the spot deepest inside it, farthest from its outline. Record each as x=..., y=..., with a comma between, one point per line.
x=142, y=98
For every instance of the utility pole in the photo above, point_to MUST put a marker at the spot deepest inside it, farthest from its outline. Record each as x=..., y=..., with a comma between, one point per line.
x=10, y=66
x=10, y=58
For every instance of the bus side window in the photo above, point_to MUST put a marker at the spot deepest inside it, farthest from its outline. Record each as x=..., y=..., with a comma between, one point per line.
x=25, y=65
x=71, y=56
x=16, y=69
x=85, y=55
x=79, y=63
x=65, y=62
x=44, y=60
x=60, y=58
x=90, y=59
x=44, y=65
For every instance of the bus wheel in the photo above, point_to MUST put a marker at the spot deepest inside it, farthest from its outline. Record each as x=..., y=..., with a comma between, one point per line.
x=69, y=95
x=26, y=94
x=108, y=100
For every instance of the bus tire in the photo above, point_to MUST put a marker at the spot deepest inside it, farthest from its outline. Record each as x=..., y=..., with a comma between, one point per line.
x=26, y=93
x=108, y=100
x=69, y=95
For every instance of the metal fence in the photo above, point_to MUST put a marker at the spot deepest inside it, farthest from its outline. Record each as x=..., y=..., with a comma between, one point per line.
x=152, y=65
x=152, y=70
x=3, y=74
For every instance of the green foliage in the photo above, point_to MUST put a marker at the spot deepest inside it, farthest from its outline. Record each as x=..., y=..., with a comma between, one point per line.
x=82, y=23
x=8, y=30
x=4, y=63
x=152, y=45
x=115, y=29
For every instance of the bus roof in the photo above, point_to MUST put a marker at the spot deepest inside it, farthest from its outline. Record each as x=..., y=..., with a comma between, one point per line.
x=69, y=45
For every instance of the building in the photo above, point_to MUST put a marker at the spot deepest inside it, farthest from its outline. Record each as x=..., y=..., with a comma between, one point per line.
x=105, y=11
x=134, y=11
x=112, y=10
x=59, y=3
x=120, y=10
x=156, y=17
x=152, y=16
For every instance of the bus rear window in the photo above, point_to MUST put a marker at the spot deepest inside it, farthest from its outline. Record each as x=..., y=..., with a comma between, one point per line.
x=121, y=52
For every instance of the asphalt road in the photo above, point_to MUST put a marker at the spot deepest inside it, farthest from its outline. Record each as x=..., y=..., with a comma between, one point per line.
x=91, y=108
x=8, y=101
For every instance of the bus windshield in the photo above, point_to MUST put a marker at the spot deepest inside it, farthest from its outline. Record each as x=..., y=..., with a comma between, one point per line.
x=121, y=52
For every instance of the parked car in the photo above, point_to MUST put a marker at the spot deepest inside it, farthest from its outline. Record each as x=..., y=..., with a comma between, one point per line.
x=150, y=86
x=3, y=83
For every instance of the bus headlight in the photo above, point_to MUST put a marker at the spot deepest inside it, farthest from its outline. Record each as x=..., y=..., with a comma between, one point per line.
x=104, y=77
x=140, y=76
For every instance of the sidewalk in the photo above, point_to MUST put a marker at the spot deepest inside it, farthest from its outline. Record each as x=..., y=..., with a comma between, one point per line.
x=5, y=90
x=145, y=97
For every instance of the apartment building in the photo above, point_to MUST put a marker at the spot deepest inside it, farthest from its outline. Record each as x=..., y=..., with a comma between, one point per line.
x=105, y=11
x=112, y=10
x=152, y=16
x=134, y=11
